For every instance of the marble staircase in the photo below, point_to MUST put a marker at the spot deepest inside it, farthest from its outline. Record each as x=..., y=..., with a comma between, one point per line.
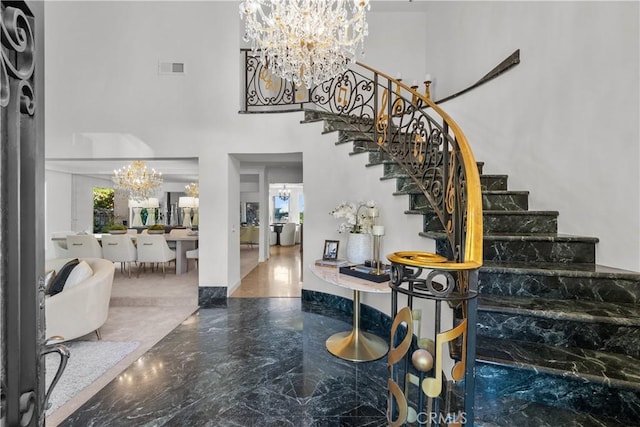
x=558, y=335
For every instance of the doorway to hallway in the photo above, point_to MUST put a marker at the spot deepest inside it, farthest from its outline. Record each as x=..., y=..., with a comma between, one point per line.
x=279, y=276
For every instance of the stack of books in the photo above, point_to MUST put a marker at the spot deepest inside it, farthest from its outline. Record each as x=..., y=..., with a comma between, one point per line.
x=366, y=272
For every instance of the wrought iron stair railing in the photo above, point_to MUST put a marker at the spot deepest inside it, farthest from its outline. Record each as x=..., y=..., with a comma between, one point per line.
x=433, y=151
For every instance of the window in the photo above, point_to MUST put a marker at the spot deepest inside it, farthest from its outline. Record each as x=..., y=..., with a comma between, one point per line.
x=301, y=207
x=281, y=209
x=103, y=213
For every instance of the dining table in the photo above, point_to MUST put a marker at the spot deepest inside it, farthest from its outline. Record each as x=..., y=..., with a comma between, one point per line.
x=278, y=229
x=183, y=243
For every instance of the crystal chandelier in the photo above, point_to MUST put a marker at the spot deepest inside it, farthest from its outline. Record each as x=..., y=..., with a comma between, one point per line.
x=305, y=41
x=192, y=190
x=140, y=182
x=284, y=194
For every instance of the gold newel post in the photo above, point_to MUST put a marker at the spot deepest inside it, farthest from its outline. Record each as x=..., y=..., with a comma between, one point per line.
x=431, y=357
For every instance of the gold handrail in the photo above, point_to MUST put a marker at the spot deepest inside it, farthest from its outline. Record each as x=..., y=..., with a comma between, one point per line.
x=474, y=234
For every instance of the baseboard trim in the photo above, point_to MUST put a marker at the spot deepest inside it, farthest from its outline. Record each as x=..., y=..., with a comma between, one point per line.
x=212, y=296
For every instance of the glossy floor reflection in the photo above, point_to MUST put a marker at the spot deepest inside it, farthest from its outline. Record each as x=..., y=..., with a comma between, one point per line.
x=256, y=362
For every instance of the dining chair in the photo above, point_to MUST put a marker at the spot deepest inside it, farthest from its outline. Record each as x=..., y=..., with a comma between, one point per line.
x=153, y=248
x=192, y=254
x=288, y=234
x=60, y=245
x=83, y=246
x=119, y=248
x=177, y=232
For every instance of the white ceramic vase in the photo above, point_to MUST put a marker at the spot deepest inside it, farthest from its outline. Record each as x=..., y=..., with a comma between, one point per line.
x=359, y=247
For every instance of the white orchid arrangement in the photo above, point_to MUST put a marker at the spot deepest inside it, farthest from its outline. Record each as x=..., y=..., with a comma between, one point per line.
x=356, y=221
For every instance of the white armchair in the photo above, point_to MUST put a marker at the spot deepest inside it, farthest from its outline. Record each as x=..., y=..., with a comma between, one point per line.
x=154, y=248
x=83, y=308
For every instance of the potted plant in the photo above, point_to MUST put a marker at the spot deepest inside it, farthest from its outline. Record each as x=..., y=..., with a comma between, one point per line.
x=156, y=229
x=358, y=221
x=116, y=229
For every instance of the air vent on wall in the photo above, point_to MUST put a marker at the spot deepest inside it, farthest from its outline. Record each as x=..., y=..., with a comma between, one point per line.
x=175, y=68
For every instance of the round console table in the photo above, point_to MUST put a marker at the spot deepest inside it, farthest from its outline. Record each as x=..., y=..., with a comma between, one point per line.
x=355, y=345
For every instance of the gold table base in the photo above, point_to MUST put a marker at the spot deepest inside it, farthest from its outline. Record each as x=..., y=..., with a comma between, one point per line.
x=356, y=345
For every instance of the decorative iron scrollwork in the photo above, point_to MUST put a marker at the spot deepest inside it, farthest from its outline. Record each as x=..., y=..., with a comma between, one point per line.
x=17, y=59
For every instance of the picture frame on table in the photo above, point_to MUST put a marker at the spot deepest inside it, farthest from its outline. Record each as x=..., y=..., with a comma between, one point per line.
x=330, y=251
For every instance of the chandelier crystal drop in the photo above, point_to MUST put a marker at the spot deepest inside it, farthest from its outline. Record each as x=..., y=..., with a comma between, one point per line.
x=306, y=41
x=140, y=182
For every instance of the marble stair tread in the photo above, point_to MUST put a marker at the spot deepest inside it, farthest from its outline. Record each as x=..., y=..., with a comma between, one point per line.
x=366, y=150
x=491, y=212
x=605, y=368
x=571, y=310
x=353, y=136
x=312, y=117
x=540, y=237
x=510, y=412
x=560, y=269
x=519, y=212
x=520, y=237
x=344, y=127
x=370, y=164
x=488, y=192
x=506, y=192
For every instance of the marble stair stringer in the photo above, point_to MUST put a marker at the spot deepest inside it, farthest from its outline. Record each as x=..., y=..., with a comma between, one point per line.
x=581, y=319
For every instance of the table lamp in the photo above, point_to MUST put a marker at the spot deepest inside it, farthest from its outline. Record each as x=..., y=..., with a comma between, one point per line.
x=151, y=204
x=186, y=203
x=137, y=208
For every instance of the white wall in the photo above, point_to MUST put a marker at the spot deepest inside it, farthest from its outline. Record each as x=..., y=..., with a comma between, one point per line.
x=58, y=206
x=564, y=122
x=233, y=219
x=101, y=77
x=349, y=180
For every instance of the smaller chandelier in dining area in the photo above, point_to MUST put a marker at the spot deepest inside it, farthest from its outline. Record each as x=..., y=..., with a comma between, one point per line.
x=138, y=180
x=306, y=41
x=284, y=193
x=192, y=189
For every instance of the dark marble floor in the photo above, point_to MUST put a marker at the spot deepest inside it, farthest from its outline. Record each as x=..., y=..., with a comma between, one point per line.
x=254, y=362
x=263, y=362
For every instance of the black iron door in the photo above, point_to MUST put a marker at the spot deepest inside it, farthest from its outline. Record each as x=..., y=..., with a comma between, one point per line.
x=21, y=212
